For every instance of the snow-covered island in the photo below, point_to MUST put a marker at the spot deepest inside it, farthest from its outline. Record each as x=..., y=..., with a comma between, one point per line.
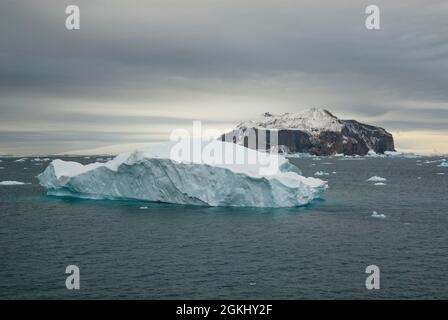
x=152, y=174
x=314, y=131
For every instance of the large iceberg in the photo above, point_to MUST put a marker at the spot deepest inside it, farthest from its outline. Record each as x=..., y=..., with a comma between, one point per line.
x=209, y=175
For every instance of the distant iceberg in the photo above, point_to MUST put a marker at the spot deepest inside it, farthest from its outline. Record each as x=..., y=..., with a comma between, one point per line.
x=377, y=215
x=12, y=183
x=152, y=174
x=321, y=173
x=376, y=179
x=444, y=163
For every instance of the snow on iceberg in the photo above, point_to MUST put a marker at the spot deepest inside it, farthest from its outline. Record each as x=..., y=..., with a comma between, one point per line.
x=154, y=175
x=376, y=179
x=12, y=183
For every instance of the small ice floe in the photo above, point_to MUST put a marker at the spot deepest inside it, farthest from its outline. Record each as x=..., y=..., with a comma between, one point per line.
x=252, y=283
x=373, y=154
x=443, y=164
x=377, y=215
x=12, y=183
x=321, y=173
x=380, y=184
x=40, y=159
x=317, y=159
x=440, y=173
x=313, y=164
x=419, y=178
x=1, y=168
x=21, y=160
x=376, y=179
x=143, y=208
x=327, y=163
x=352, y=158
x=334, y=172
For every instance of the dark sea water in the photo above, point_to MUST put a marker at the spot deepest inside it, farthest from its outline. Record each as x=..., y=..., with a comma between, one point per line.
x=171, y=251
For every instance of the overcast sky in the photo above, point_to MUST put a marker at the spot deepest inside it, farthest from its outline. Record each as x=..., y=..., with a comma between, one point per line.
x=138, y=69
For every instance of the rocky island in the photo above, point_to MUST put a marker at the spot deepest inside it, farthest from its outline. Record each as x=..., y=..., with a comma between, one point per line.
x=315, y=131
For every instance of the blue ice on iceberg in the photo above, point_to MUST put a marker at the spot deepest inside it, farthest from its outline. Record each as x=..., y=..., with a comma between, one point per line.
x=160, y=174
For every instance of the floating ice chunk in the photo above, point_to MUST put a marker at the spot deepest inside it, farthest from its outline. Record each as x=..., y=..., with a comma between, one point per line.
x=380, y=184
x=373, y=154
x=21, y=160
x=143, y=208
x=351, y=158
x=443, y=164
x=405, y=155
x=12, y=183
x=152, y=174
x=440, y=173
x=376, y=179
x=321, y=173
x=377, y=215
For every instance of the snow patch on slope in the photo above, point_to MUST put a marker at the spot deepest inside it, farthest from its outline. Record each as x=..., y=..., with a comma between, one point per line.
x=314, y=121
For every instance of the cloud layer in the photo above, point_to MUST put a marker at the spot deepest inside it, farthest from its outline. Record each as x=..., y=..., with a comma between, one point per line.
x=138, y=69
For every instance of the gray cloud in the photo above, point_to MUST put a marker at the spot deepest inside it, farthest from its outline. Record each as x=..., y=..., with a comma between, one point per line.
x=162, y=63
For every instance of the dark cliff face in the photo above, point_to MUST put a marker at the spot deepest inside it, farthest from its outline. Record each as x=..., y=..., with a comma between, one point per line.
x=354, y=138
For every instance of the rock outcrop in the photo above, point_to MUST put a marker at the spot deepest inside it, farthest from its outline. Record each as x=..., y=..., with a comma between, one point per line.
x=314, y=131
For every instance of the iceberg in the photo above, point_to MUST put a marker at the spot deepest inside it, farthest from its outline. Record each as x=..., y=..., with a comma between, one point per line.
x=12, y=183
x=376, y=179
x=321, y=173
x=443, y=164
x=377, y=215
x=153, y=174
